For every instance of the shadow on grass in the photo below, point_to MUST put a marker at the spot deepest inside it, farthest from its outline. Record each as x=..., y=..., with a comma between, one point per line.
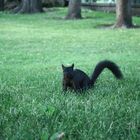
x=111, y=26
x=51, y=9
x=104, y=26
x=136, y=26
x=55, y=18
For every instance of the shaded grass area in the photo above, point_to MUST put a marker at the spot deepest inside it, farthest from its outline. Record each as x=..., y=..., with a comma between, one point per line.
x=32, y=104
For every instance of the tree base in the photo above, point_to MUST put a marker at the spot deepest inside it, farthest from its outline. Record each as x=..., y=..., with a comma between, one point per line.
x=29, y=6
x=74, y=10
x=22, y=10
x=1, y=5
x=124, y=26
x=73, y=16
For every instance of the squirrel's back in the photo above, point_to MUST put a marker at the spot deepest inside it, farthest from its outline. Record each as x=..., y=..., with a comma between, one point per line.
x=79, y=74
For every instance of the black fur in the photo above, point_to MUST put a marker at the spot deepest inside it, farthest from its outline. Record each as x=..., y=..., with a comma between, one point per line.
x=79, y=80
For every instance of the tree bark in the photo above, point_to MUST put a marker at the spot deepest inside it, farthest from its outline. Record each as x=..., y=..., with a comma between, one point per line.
x=74, y=10
x=123, y=14
x=29, y=6
x=1, y=5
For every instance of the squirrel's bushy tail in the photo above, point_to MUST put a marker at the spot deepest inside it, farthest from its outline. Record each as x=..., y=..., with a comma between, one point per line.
x=105, y=64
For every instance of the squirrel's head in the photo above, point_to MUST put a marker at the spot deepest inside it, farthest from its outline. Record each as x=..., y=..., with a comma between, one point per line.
x=68, y=71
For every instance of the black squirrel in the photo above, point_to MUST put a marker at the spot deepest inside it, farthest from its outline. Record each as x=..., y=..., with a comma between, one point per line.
x=78, y=80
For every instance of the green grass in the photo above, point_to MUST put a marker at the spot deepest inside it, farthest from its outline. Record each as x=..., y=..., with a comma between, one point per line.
x=32, y=105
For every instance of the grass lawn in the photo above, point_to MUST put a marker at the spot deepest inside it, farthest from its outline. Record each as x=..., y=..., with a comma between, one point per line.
x=32, y=105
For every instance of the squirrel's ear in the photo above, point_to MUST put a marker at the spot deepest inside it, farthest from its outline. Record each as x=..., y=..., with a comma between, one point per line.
x=72, y=65
x=63, y=66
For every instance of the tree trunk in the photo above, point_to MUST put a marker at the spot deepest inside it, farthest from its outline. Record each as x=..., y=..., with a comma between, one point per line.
x=29, y=6
x=74, y=10
x=1, y=5
x=123, y=14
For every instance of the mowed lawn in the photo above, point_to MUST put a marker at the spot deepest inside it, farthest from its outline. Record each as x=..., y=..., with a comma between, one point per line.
x=32, y=104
